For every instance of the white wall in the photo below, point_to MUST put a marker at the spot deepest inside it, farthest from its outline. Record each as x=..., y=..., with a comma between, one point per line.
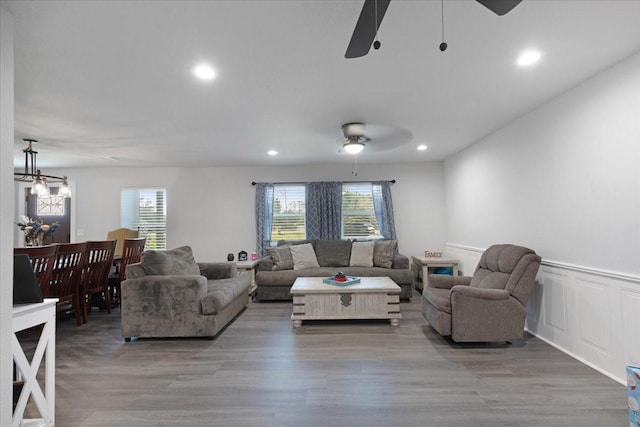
x=6, y=213
x=218, y=217
x=564, y=180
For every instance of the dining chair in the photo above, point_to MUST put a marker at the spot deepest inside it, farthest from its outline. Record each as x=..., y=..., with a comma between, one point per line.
x=66, y=278
x=42, y=260
x=119, y=235
x=131, y=253
x=95, y=283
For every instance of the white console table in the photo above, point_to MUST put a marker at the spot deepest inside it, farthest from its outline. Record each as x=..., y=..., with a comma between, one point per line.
x=26, y=316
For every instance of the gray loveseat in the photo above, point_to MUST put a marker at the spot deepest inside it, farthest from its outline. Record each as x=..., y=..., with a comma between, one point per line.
x=168, y=294
x=277, y=271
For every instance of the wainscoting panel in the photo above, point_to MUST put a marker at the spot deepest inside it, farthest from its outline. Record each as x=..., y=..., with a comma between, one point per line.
x=554, y=308
x=593, y=308
x=592, y=315
x=630, y=311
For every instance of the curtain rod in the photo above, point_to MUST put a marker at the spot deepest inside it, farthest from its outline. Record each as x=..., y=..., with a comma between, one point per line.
x=392, y=181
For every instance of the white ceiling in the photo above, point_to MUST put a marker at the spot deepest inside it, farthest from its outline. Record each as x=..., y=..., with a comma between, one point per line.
x=112, y=79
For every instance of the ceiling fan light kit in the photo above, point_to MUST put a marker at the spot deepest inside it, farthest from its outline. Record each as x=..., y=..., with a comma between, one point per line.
x=354, y=133
x=353, y=146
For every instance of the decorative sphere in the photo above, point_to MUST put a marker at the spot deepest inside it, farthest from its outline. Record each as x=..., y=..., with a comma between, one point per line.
x=230, y=257
x=443, y=46
x=376, y=45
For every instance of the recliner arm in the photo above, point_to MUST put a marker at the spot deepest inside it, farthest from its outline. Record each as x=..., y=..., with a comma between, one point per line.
x=444, y=281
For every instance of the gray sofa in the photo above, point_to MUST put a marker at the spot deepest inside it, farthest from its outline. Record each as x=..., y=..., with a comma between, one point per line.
x=275, y=276
x=168, y=294
x=491, y=305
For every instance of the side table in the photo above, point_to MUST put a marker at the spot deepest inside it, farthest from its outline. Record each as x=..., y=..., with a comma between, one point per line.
x=420, y=266
x=252, y=266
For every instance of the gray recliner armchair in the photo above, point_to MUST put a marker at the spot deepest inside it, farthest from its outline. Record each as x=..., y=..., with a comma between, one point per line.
x=491, y=305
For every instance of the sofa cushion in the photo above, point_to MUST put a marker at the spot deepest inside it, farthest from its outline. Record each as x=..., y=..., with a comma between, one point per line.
x=383, y=252
x=487, y=279
x=503, y=258
x=296, y=242
x=220, y=293
x=281, y=257
x=333, y=253
x=362, y=254
x=303, y=256
x=178, y=261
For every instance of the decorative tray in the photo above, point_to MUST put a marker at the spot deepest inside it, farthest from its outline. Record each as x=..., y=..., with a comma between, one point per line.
x=349, y=281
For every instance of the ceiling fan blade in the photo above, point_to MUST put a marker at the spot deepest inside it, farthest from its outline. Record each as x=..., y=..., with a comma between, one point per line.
x=365, y=31
x=499, y=7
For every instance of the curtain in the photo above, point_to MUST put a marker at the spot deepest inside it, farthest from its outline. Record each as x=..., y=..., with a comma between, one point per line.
x=383, y=207
x=323, y=207
x=264, y=216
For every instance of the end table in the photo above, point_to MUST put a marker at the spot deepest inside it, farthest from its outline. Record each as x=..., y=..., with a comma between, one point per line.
x=421, y=264
x=252, y=266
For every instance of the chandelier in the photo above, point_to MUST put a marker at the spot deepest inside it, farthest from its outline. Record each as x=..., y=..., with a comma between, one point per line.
x=39, y=181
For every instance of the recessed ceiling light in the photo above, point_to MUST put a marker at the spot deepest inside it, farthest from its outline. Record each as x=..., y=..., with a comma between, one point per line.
x=528, y=57
x=422, y=147
x=204, y=72
x=272, y=152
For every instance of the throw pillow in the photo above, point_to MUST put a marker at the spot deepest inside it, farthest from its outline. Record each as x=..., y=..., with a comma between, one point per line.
x=303, y=257
x=362, y=254
x=383, y=253
x=177, y=261
x=281, y=258
x=333, y=253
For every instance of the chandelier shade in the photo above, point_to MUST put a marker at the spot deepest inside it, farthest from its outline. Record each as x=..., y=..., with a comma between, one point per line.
x=39, y=181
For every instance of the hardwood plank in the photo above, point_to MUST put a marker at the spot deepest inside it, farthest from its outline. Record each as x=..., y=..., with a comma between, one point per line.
x=262, y=372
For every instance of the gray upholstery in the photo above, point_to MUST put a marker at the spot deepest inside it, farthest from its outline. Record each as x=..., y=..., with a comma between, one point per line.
x=491, y=305
x=276, y=284
x=180, y=305
x=333, y=253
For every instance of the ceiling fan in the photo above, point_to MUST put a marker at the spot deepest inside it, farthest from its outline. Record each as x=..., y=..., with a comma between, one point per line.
x=355, y=138
x=364, y=35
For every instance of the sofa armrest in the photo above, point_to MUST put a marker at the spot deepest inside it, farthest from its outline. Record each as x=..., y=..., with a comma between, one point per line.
x=265, y=264
x=444, y=281
x=218, y=270
x=400, y=261
x=134, y=271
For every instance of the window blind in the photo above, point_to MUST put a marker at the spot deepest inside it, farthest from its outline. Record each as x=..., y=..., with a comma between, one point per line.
x=288, y=213
x=145, y=209
x=358, y=215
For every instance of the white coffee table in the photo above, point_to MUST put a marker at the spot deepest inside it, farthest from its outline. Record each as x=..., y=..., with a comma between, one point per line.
x=372, y=298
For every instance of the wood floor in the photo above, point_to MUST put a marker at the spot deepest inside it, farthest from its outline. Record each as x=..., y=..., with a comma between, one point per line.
x=262, y=372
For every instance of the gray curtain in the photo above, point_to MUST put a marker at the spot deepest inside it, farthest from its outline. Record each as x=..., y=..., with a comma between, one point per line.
x=264, y=216
x=323, y=206
x=383, y=207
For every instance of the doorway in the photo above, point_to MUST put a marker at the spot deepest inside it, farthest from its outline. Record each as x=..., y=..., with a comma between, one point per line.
x=47, y=210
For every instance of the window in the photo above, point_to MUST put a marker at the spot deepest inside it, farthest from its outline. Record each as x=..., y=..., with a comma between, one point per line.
x=288, y=213
x=358, y=215
x=145, y=209
x=323, y=210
